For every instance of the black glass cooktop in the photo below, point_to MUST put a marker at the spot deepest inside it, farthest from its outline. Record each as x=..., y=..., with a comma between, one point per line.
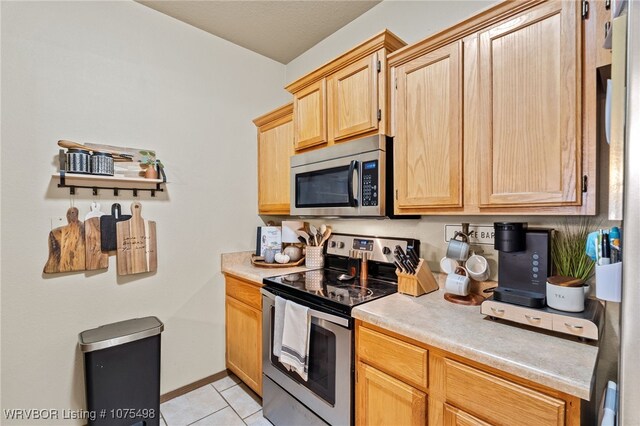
x=330, y=288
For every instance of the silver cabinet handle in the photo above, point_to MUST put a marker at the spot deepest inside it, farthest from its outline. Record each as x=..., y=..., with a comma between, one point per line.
x=497, y=311
x=578, y=327
x=530, y=318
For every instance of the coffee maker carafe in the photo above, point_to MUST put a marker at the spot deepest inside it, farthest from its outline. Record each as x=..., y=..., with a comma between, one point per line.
x=524, y=263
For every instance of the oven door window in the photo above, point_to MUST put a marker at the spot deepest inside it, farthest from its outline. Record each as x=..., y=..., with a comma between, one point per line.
x=322, y=362
x=323, y=188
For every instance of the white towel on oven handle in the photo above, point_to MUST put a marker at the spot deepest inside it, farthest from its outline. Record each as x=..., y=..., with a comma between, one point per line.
x=278, y=325
x=295, y=338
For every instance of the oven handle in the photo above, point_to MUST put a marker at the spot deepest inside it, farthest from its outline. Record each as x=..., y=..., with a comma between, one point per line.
x=312, y=312
x=353, y=202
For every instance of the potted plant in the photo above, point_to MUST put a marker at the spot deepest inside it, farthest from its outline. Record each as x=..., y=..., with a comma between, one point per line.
x=568, y=250
x=150, y=164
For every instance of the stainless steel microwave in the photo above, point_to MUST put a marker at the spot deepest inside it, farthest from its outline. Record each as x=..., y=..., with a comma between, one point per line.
x=350, y=179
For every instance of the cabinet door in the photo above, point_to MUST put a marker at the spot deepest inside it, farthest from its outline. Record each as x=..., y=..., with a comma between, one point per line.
x=275, y=147
x=383, y=400
x=530, y=97
x=310, y=116
x=354, y=98
x=244, y=342
x=455, y=417
x=428, y=142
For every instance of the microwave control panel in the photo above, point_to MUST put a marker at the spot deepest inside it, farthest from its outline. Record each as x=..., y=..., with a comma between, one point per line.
x=370, y=183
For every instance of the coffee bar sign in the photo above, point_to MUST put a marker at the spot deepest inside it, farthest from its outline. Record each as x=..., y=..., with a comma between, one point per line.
x=478, y=234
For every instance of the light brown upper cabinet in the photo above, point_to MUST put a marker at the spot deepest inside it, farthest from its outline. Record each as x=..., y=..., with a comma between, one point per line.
x=428, y=139
x=530, y=93
x=310, y=109
x=345, y=98
x=275, y=147
x=496, y=115
x=353, y=93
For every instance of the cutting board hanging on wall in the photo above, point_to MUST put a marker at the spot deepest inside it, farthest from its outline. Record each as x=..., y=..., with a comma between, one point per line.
x=95, y=258
x=108, y=240
x=67, y=246
x=137, y=247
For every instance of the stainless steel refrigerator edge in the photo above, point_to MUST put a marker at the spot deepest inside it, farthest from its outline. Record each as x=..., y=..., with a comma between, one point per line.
x=629, y=377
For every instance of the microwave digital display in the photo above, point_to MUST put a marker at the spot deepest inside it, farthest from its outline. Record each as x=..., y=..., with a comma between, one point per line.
x=370, y=183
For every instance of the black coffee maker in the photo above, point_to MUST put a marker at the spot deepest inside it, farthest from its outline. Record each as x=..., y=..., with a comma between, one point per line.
x=524, y=263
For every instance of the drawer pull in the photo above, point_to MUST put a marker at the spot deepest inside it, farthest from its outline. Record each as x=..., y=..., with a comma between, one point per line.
x=530, y=318
x=577, y=327
x=497, y=311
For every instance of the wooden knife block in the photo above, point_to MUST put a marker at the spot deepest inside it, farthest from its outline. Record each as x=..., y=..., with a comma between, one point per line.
x=422, y=282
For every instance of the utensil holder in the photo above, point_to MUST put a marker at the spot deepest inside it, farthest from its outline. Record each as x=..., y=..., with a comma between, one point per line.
x=422, y=282
x=314, y=257
x=609, y=282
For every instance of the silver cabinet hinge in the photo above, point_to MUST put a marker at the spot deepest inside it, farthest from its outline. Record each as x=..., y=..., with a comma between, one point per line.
x=585, y=181
x=379, y=114
x=585, y=9
x=396, y=82
x=379, y=66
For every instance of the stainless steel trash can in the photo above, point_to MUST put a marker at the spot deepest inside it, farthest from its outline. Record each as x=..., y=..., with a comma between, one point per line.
x=122, y=372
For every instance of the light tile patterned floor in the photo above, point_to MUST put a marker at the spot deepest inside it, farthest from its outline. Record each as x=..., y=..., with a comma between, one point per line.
x=224, y=402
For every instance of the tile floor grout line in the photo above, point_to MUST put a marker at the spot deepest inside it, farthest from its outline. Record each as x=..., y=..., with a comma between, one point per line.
x=225, y=399
x=210, y=414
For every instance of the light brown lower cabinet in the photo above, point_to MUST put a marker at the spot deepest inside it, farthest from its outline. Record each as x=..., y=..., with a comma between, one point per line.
x=243, y=331
x=384, y=400
x=459, y=391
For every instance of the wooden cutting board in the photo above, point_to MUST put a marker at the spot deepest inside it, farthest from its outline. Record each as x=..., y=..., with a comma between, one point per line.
x=108, y=240
x=137, y=248
x=67, y=246
x=95, y=258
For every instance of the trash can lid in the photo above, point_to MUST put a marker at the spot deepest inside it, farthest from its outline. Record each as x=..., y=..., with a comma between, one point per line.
x=119, y=333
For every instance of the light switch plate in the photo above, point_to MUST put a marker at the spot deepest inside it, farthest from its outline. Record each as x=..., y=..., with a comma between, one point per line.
x=478, y=234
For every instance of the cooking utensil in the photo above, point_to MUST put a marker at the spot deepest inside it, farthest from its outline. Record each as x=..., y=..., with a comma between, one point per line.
x=95, y=258
x=304, y=235
x=314, y=233
x=325, y=236
x=413, y=256
x=75, y=145
x=137, y=247
x=108, y=239
x=67, y=246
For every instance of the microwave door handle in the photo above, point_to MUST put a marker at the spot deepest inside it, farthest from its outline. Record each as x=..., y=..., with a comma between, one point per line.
x=353, y=202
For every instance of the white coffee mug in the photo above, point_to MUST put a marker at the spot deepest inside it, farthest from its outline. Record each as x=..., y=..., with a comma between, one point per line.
x=458, y=250
x=457, y=284
x=448, y=266
x=478, y=268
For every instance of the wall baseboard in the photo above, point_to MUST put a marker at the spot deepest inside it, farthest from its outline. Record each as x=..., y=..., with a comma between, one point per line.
x=192, y=386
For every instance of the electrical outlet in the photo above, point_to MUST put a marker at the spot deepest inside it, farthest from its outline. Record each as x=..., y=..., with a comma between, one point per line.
x=478, y=234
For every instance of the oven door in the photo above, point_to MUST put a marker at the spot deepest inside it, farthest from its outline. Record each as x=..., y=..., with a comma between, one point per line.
x=346, y=186
x=328, y=390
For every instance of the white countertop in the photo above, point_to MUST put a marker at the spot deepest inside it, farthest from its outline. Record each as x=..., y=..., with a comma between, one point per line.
x=556, y=362
x=239, y=264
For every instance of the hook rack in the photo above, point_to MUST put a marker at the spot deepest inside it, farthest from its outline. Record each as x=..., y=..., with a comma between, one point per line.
x=114, y=183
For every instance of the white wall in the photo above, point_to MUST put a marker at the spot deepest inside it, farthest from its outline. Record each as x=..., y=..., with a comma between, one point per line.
x=120, y=73
x=410, y=20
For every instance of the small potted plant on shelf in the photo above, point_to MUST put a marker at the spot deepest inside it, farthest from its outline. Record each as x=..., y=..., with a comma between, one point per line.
x=150, y=164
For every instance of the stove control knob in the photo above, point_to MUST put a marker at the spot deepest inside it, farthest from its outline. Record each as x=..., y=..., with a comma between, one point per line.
x=386, y=250
x=332, y=244
x=340, y=245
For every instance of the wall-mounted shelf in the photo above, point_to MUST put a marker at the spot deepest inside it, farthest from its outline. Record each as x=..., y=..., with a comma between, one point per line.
x=115, y=183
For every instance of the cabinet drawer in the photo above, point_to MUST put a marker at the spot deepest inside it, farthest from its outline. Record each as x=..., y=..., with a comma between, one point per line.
x=400, y=359
x=244, y=292
x=497, y=400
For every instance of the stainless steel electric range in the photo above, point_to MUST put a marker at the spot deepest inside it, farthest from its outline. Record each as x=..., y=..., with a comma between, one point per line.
x=358, y=269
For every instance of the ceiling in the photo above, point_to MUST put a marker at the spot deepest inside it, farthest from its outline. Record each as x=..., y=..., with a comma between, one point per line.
x=280, y=30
